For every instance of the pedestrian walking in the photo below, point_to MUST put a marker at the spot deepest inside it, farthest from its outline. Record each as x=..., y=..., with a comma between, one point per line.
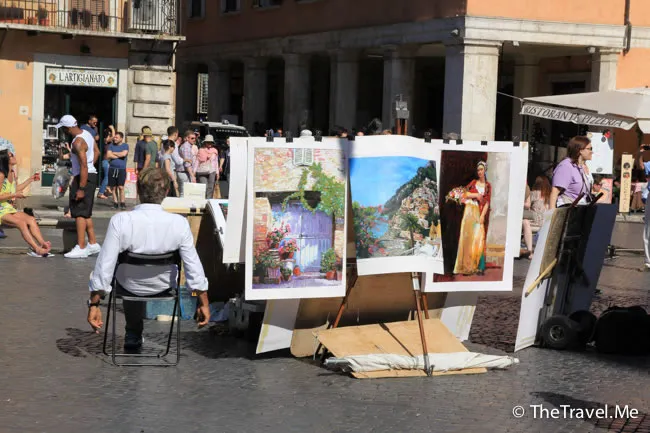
x=82, y=189
x=207, y=165
x=117, y=153
x=108, y=140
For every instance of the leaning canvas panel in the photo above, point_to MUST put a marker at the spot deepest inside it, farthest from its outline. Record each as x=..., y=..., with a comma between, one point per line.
x=234, y=250
x=278, y=324
x=394, y=190
x=532, y=304
x=296, y=225
x=482, y=188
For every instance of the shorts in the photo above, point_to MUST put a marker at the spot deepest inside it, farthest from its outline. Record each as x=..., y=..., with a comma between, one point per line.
x=83, y=208
x=116, y=176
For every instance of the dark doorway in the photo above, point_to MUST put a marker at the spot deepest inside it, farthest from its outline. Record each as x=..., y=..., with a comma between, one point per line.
x=82, y=102
x=371, y=91
x=275, y=95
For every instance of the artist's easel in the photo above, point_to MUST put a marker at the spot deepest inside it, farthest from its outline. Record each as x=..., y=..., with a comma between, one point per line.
x=421, y=304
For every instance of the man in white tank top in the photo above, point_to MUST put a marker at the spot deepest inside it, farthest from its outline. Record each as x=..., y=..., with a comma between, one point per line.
x=82, y=189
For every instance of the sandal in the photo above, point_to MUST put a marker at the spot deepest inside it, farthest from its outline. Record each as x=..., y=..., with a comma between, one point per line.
x=102, y=196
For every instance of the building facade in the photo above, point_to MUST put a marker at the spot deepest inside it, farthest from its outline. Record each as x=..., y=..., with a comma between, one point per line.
x=326, y=63
x=111, y=58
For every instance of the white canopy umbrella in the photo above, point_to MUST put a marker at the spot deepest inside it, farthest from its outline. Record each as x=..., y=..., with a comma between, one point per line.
x=609, y=109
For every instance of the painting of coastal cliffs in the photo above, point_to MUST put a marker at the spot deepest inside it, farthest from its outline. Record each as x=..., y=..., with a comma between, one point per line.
x=396, y=215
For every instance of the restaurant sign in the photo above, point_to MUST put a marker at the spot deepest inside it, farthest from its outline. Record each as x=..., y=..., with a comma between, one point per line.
x=579, y=117
x=81, y=77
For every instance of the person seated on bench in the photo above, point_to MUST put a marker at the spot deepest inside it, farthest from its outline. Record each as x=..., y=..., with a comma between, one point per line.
x=149, y=230
x=9, y=216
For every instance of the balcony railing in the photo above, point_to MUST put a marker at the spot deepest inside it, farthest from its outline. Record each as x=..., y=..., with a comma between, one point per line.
x=106, y=16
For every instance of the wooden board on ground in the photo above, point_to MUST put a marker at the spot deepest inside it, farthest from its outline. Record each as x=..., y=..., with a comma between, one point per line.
x=374, y=299
x=401, y=338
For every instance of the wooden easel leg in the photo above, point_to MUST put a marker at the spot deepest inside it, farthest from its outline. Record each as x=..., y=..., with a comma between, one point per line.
x=351, y=281
x=425, y=301
x=416, y=292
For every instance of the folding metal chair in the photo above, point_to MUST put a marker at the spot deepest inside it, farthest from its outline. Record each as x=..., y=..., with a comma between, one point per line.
x=167, y=259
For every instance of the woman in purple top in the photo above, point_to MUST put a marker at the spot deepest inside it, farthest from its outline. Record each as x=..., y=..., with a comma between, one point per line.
x=569, y=177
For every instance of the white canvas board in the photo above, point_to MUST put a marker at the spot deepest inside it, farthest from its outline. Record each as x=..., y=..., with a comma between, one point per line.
x=277, y=327
x=458, y=313
x=194, y=191
x=185, y=203
x=531, y=305
x=296, y=207
x=506, y=173
x=393, y=178
x=218, y=218
x=602, y=160
x=234, y=250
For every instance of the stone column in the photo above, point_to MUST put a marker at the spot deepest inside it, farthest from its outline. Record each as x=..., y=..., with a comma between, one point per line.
x=399, y=78
x=471, y=73
x=344, y=86
x=186, y=85
x=296, y=92
x=218, y=89
x=526, y=85
x=255, y=91
x=604, y=64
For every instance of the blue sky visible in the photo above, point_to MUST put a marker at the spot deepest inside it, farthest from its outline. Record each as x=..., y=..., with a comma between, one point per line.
x=374, y=180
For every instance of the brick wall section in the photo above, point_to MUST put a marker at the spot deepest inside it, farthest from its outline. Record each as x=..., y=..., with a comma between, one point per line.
x=276, y=172
x=262, y=220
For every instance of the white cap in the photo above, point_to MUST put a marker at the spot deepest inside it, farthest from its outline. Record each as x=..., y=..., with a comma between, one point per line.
x=68, y=121
x=164, y=137
x=305, y=133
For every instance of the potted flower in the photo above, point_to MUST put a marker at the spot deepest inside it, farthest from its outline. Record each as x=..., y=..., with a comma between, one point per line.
x=288, y=248
x=259, y=272
x=275, y=236
x=271, y=263
x=286, y=274
x=328, y=264
x=296, y=271
x=42, y=17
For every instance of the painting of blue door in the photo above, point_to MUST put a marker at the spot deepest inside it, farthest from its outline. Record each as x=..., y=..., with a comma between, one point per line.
x=312, y=231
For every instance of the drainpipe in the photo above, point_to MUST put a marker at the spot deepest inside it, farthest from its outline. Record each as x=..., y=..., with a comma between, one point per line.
x=628, y=28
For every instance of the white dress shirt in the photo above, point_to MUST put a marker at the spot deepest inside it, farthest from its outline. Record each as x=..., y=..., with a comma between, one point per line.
x=148, y=229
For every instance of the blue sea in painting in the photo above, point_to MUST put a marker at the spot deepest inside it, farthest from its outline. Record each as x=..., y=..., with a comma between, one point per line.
x=374, y=180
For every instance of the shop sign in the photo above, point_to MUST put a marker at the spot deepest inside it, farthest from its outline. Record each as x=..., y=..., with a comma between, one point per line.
x=579, y=117
x=81, y=77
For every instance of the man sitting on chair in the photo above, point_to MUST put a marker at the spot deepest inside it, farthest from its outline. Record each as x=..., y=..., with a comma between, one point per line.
x=149, y=230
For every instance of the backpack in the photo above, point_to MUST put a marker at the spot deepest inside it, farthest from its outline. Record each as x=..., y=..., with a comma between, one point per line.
x=623, y=331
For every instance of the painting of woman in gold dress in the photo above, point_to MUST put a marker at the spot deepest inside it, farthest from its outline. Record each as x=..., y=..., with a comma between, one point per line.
x=470, y=258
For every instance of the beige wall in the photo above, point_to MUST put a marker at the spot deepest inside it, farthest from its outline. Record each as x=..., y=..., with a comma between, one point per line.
x=16, y=83
x=581, y=11
x=294, y=18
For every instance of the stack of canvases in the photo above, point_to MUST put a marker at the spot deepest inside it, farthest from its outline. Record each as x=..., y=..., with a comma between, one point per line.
x=450, y=210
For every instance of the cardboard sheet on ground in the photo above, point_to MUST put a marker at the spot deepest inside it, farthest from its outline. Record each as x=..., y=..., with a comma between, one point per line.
x=482, y=189
x=234, y=250
x=394, y=191
x=401, y=338
x=296, y=211
x=277, y=327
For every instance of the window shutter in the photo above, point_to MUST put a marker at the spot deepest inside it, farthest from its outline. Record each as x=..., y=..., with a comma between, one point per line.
x=202, y=94
x=298, y=156
x=308, y=156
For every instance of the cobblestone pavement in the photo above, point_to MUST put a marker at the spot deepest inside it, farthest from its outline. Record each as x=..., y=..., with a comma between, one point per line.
x=53, y=378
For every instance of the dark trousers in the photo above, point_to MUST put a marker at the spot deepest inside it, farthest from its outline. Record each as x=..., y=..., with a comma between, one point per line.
x=134, y=313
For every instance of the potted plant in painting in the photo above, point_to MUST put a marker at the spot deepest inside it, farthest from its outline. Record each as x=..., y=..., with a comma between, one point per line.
x=296, y=271
x=328, y=264
x=286, y=274
x=275, y=236
x=260, y=270
x=288, y=249
x=271, y=263
x=42, y=17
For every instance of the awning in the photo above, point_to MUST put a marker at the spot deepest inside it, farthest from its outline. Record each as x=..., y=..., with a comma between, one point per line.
x=610, y=109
